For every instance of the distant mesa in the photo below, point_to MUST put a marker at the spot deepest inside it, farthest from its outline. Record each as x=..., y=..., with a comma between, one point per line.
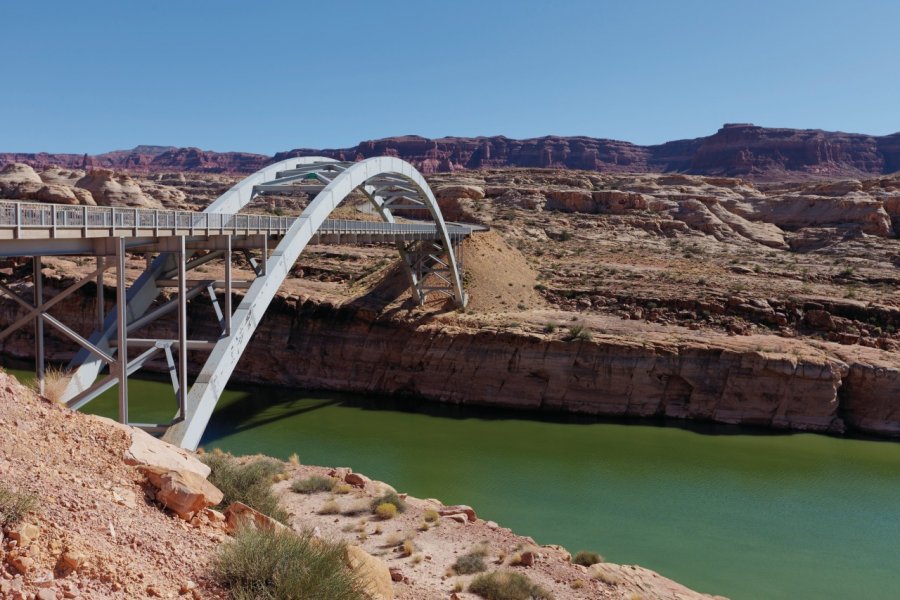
x=736, y=150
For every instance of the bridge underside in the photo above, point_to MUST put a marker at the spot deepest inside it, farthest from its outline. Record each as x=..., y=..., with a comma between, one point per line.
x=176, y=244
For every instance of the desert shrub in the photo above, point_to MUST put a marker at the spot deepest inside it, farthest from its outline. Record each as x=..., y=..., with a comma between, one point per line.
x=601, y=574
x=15, y=505
x=431, y=515
x=579, y=332
x=408, y=548
x=473, y=562
x=313, y=484
x=388, y=498
x=386, y=510
x=587, y=558
x=549, y=328
x=356, y=509
x=342, y=488
x=247, y=482
x=505, y=585
x=330, y=508
x=281, y=565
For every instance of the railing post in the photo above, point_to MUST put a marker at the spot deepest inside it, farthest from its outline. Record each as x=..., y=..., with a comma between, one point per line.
x=112, y=217
x=18, y=220
x=156, y=223
x=84, y=223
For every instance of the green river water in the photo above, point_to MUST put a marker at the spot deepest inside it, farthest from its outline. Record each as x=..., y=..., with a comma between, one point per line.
x=742, y=514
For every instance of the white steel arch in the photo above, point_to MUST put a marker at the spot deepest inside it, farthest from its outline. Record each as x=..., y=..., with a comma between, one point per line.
x=86, y=366
x=375, y=176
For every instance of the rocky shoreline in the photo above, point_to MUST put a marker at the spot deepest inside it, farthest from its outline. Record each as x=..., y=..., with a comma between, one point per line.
x=119, y=514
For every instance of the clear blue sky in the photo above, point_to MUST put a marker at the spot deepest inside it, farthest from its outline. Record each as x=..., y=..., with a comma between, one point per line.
x=266, y=76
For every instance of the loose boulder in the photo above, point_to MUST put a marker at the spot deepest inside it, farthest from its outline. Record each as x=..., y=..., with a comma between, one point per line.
x=459, y=509
x=153, y=452
x=239, y=515
x=183, y=492
x=372, y=573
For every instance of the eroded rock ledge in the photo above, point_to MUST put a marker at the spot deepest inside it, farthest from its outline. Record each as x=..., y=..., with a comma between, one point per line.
x=758, y=380
x=670, y=372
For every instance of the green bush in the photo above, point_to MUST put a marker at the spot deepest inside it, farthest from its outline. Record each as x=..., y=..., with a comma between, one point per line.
x=473, y=562
x=505, y=585
x=14, y=506
x=587, y=558
x=388, y=498
x=386, y=510
x=313, y=484
x=247, y=482
x=281, y=565
x=579, y=332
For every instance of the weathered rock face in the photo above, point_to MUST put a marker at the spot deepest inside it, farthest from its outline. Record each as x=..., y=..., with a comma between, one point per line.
x=20, y=182
x=746, y=150
x=708, y=381
x=196, y=160
x=115, y=189
x=712, y=377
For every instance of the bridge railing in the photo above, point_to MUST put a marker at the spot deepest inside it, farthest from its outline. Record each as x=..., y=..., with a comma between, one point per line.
x=33, y=215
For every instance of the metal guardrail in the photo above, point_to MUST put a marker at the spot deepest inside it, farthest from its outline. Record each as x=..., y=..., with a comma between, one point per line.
x=26, y=215
x=32, y=215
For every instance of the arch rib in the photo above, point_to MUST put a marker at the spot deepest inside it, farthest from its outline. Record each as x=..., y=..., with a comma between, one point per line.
x=84, y=366
x=212, y=379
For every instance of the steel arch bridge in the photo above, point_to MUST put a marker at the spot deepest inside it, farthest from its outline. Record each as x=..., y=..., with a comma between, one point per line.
x=176, y=242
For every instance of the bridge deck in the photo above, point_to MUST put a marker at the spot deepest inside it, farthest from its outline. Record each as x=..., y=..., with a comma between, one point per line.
x=30, y=229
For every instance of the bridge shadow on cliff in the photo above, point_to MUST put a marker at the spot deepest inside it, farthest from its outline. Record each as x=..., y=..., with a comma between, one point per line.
x=382, y=298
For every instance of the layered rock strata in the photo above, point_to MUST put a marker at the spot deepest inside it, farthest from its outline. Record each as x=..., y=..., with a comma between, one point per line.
x=756, y=380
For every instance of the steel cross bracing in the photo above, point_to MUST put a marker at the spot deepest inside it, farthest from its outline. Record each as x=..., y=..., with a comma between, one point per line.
x=176, y=243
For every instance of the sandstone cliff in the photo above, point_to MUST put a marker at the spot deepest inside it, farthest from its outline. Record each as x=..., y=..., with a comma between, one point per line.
x=756, y=380
x=736, y=150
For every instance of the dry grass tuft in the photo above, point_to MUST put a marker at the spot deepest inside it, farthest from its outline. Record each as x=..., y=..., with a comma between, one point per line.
x=15, y=505
x=55, y=381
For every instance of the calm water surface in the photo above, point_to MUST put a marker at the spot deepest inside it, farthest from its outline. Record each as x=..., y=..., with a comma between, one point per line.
x=742, y=515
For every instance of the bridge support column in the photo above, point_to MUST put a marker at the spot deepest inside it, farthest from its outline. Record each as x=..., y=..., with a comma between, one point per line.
x=228, y=309
x=121, y=330
x=39, y=359
x=101, y=297
x=182, y=329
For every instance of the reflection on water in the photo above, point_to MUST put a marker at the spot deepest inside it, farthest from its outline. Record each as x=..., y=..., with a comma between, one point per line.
x=719, y=509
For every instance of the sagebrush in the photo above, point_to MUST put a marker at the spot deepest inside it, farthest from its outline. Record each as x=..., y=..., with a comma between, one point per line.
x=281, y=565
x=247, y=481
